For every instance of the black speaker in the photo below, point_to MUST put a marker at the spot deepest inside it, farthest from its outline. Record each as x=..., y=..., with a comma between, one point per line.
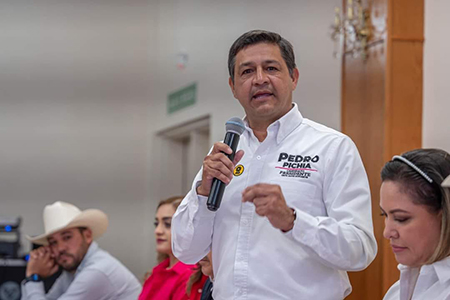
x=12, y=272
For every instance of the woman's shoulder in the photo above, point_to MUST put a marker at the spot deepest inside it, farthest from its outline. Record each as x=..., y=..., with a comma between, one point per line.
x=393, y=292
x=182, y=268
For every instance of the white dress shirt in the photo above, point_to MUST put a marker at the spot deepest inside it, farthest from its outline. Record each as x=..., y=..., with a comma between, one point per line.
x=430, y=282
x=98, y=277
x=322, y=177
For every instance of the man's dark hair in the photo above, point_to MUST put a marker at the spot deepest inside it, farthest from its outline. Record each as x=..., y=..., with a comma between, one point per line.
x=261, y=36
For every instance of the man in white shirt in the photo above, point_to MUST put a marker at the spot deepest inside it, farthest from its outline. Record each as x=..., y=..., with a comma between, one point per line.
x=296, y=212
x=89, y=273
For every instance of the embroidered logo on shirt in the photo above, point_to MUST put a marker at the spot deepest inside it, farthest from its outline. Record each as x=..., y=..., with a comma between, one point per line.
x=296, y=165
x=238, y=170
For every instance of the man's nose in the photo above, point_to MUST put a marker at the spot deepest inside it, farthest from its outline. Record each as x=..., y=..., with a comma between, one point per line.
x=61, y=247
x=260, y=77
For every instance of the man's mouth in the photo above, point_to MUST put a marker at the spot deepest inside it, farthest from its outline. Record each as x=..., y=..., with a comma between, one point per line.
x=262, y=94
x=64, y=257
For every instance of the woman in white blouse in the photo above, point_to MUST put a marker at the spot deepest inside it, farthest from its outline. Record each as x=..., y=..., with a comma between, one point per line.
x=415, y=200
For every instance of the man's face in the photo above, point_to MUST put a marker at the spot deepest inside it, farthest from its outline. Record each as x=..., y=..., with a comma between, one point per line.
x=262, y=83
x=70, y=246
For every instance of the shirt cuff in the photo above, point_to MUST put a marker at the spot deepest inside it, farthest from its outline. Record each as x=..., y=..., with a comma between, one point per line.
x=202, y=209
x=301, y=232
x=31, y=289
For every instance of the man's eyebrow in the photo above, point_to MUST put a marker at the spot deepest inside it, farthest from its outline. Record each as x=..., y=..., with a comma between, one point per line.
x=167, y=218
x=271, y=61
x=250, y=63
x=246, y=64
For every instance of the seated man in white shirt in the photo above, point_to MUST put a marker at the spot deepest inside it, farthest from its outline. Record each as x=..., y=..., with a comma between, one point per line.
x=89, y=273
x=296, y=212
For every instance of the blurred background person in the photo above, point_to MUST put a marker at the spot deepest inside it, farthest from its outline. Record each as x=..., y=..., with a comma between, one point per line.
x=207, y=270
x=199, y=286
x=169, y=278
x=69, y=242
x=416, y=206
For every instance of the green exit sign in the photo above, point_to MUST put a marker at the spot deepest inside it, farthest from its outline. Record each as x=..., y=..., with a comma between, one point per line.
x=182, y=98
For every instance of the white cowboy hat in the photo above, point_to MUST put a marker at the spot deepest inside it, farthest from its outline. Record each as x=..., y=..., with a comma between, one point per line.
x=61, y=215
x=446, y=182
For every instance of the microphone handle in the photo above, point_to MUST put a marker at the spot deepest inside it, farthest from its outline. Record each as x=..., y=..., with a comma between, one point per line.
x=217, y=186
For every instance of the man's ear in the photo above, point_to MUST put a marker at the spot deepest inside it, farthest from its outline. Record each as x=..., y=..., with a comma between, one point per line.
x=87, y=234
x=295, y=76
x=230, y=82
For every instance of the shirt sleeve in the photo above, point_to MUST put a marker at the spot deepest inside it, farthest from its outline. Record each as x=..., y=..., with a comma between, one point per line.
x=36, y=291
x=88, y=285
x=344, y=238
x=192, y=227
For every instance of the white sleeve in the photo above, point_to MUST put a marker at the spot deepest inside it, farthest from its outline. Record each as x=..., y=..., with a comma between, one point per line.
x=36, y=291
x=344, y=238
x=88, y=285
x=192, y=226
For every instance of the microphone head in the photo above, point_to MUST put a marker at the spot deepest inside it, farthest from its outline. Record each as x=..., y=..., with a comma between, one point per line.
x=235, y=125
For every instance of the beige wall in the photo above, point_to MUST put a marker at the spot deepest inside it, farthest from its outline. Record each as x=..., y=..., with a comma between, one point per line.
x=436, y=100
x=74, y=104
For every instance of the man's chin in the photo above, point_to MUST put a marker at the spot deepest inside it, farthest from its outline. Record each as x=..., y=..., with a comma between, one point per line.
x=69, y=267
x=263, y=111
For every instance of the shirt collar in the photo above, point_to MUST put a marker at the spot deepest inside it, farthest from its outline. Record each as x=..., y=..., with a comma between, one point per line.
x=283, y=126
x=440, y=268
x=92, y=249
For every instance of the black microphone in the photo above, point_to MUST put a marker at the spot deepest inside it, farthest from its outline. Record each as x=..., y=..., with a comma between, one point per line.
x=235, y=127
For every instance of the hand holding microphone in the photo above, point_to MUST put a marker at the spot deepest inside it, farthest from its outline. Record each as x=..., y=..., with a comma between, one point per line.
x=219, y=164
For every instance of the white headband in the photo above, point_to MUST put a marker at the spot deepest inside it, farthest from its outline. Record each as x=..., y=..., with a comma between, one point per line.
x=416, y=168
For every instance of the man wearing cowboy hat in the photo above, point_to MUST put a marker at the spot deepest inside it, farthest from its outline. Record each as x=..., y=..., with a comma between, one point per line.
x=89, y=273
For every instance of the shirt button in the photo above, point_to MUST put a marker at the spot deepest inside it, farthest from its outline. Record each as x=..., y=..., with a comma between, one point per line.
x=258, y=157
